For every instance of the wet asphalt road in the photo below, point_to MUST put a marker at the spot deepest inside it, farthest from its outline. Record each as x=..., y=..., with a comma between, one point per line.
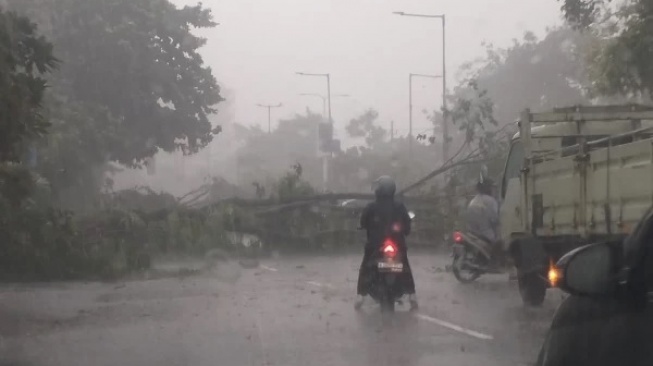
x=288, y=311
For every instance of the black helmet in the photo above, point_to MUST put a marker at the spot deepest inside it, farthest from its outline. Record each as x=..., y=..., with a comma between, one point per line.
x=384, y=186
x=485, y=183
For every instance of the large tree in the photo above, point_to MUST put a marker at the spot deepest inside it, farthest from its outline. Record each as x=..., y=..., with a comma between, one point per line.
x=620, y=63
x=532, y=73
x=140, y=61
x=25, y=60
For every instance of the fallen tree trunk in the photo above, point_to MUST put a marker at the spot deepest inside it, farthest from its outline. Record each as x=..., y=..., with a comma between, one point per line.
x=308, y=200
x=368, y=197
x=469, y=159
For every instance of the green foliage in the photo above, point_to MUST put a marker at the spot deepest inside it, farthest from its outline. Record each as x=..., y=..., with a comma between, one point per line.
x=40, y=242
x=16, y=184
x=131, y=82
x=291, y=185
x=354, y=169
x=582, y=13
x=619, y=62
x=140, y=61
x=364, y=126
x=292, y=229
x=264, y=157
x=532, y=73
x=473, y=111
x=142, y=199
x=474, y=114
x=45, y=243
x=25, y=59
x=73, y=157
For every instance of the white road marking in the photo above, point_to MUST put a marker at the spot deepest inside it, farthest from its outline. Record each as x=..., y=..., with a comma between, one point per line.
x=455, y=327
x=268, y=268
x=317, y=284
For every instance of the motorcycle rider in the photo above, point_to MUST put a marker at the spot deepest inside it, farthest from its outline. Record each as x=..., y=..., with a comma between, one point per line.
x=378, y=218
x=482, y=215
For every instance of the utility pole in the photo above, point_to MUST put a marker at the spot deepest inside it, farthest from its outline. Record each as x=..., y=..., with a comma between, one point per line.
x=392, y=130
x=269, y=107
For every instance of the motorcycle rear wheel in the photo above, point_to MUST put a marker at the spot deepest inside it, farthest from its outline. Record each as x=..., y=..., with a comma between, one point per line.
x=387, y=300
x=463, y=275
x=387, y=305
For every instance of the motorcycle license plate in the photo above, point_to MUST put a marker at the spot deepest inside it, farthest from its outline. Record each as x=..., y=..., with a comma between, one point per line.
x=388, y=266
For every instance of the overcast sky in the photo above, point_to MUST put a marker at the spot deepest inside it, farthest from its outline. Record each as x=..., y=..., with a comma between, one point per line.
x=369, y=52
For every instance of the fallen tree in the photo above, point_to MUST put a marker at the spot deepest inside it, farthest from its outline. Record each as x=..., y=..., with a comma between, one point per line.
x=290, y=203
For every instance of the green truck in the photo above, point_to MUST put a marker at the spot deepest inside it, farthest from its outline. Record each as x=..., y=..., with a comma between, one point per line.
x=573, y=176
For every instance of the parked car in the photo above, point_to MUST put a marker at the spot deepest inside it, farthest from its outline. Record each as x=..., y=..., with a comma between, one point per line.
x=608, y=319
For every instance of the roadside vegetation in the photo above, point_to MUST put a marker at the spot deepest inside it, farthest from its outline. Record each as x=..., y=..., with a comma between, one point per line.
x=84, y=90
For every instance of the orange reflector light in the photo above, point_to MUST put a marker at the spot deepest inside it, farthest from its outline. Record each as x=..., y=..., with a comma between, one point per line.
x=553, y=275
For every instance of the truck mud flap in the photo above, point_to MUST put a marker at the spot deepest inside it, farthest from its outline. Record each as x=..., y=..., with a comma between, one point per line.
x=532, y=257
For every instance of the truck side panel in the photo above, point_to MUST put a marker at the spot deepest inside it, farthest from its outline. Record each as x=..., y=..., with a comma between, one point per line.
x=557, y=183
x=619, y=178
x=618, y=190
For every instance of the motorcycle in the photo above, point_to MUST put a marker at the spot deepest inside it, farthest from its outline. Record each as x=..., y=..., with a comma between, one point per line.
x=472, y=257
x=386, y=285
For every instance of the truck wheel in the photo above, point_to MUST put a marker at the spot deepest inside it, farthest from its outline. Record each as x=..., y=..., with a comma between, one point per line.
x=532, y=289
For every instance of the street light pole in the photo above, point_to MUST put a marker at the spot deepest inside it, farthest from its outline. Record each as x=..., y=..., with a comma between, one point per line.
x=410, y=107
x=269, y=107
x=324, y=109
x=329, y=96
x=324, y=105
x=325, y=161
x=445, y=112
x=328, y=77
x=410, y=114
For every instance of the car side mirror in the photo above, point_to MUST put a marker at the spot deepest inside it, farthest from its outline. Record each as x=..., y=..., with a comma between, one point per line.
x=589, y=271
x=411, y=214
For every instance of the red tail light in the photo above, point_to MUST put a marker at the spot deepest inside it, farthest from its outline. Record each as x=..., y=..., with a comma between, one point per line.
x=457, y=237
x=389, y=248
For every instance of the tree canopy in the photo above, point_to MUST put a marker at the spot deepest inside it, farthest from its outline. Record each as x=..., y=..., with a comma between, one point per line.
x=25, y=60
x=533, y=73
x=140, y=61
x=364, y=126
x=619, y=64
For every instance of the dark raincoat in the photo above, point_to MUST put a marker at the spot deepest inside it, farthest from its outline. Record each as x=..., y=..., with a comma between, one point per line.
x=378, y=219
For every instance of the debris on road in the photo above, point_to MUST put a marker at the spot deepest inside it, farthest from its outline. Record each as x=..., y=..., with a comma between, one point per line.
x=249, y=263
